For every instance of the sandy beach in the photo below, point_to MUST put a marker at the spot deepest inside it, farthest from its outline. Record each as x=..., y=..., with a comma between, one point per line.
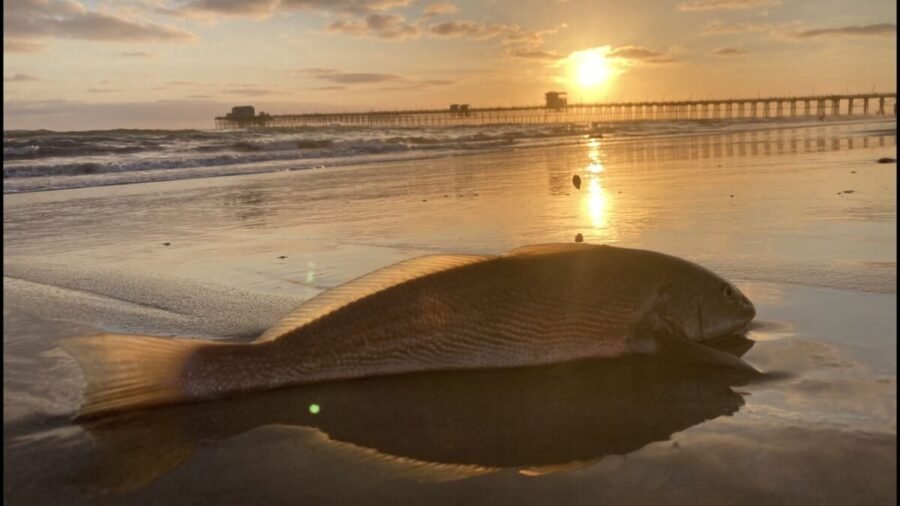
x=801, y=217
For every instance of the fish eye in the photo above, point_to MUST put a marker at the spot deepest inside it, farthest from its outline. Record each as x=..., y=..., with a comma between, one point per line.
x=728, y=291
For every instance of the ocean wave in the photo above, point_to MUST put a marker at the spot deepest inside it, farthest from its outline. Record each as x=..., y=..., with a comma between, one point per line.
x=171, y=154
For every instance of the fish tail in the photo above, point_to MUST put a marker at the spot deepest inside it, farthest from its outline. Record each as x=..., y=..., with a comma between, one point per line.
x=132, y=371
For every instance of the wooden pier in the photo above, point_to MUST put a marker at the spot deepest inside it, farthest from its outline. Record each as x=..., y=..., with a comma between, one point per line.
x=820, y=106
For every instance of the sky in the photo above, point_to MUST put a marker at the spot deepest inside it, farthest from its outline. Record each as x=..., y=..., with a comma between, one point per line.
x=74, y=65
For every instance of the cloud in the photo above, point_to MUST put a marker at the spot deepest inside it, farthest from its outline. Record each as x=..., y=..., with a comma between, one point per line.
x=471, y=29
x=639, y=54
x=533, y=54
x=382, y=26
x=20, y=78
x=103, y=90
x=724, y=5
x=344, y=80
x=340, y=77
x=136, y=54
x=508, y=34
x=717, y=27
x=265, y=8
x=235, y=8
x=438, y=9
x=884, y=29
x=250, y=91
x=730, y=51
x=69, y=19
x=21, y=46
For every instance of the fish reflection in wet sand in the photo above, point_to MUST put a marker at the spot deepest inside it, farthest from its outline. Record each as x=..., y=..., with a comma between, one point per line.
x=438, y=426
x=536, y=305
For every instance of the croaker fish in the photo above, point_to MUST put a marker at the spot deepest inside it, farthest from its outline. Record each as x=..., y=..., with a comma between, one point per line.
x=535, y=305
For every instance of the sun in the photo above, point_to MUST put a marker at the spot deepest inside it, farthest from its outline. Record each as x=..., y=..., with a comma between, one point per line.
x=592, y=69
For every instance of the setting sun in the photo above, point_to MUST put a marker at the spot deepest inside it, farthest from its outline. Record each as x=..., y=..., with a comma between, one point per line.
x=593, y=69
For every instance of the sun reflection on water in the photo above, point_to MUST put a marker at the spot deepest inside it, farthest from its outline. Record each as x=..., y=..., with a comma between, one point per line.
x=597, y=201
x=595, y=166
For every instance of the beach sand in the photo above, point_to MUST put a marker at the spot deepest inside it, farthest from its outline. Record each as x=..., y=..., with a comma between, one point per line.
x=802, y=219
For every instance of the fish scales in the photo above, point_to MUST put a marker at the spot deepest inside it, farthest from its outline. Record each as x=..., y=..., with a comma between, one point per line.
x=499, y=313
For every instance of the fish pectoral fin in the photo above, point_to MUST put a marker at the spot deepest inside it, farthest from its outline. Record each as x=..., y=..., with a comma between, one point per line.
x=369, y=284
x=737, y=345
x=657, y=335
x=678, y=348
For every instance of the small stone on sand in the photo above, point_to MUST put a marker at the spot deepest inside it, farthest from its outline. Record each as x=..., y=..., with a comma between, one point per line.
x=576, y=181
x=579, y=238
x=887, y=160
x=166, y=243
x=282, y=257
x=853, y=172
x=731, y=196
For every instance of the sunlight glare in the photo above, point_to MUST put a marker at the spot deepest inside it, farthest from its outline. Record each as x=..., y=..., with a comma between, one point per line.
x=597, y=204
x=593, y=69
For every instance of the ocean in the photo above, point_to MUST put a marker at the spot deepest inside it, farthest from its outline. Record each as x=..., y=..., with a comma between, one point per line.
x=46, y=160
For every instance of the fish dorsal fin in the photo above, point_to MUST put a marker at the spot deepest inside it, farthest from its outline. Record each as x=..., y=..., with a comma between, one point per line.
x=549, y=249
x=369, y=284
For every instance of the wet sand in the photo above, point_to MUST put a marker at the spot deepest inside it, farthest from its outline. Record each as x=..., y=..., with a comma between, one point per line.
x=769, y=209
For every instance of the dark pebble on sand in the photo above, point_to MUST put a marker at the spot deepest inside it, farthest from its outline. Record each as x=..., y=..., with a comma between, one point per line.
x=579, y=238
x=576, y=181
x=166, y=243
x=731, y=196
x=887, y=160
x=424, y=200
x=445, y=196
x=853, y=172
x=282, y=257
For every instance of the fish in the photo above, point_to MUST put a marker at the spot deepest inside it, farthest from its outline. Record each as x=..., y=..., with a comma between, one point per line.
x=535, y=305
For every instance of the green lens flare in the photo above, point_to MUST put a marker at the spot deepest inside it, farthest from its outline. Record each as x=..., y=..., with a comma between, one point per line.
x=314, y=408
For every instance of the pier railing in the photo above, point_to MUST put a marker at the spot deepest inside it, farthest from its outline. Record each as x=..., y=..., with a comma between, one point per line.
x=820, y=106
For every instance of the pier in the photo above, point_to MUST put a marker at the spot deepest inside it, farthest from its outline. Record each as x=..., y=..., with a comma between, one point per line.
x=818, y=106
